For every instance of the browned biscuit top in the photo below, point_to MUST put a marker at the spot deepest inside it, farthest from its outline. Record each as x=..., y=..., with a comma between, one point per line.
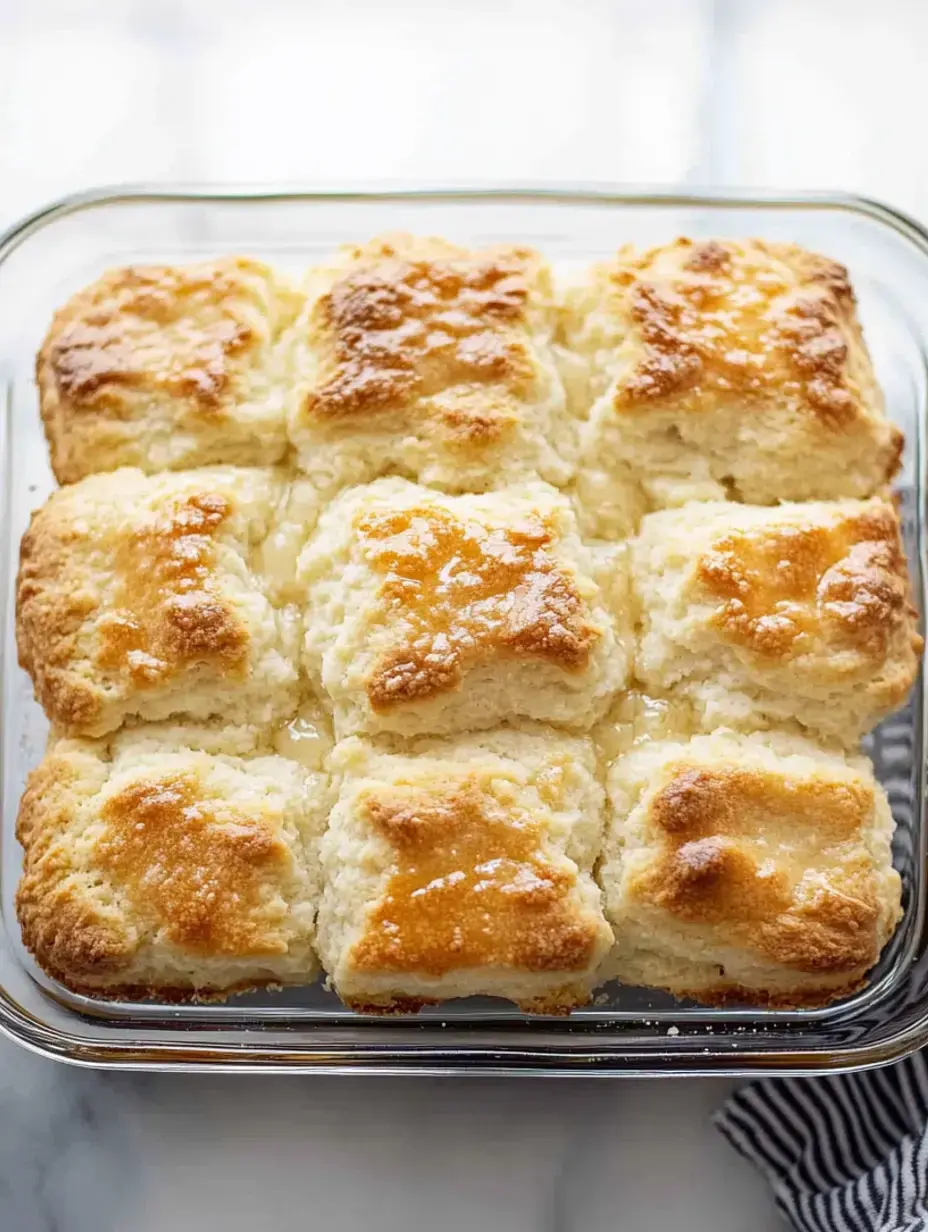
x=465, y=591
x=782, y=587
x=470, y=887
x=735, y=845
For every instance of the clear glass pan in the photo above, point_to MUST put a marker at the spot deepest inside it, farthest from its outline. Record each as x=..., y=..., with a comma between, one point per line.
x=628, y=1031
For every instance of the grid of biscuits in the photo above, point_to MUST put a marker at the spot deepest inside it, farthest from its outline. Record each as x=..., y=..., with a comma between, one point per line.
x=463, y=634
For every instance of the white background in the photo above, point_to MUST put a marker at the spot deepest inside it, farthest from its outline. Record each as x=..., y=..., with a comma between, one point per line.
x=779, y=93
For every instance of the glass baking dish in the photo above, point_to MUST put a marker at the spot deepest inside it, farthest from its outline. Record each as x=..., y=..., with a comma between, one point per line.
x=627, y=1031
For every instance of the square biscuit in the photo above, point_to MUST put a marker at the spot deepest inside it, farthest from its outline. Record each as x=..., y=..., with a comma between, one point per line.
x=462, y=868
x=171, y=862
x=166, y=367
x=751, y=868
x=762, y=616
x=721, y=369
x=432, y=614
x=136, y=597
x=420, y=358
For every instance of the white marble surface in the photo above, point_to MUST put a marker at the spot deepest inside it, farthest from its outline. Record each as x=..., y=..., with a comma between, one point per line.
x=786, y=93
x=81, y=1152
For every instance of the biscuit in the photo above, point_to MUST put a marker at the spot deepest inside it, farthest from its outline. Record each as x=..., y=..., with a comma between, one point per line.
x=419, y=358
x=800, y=613
x=167, y=367
x=721, y=368
x=159, y=865
x=749, y=868
x=462, y=868
x=135, y=597
x=432, y=614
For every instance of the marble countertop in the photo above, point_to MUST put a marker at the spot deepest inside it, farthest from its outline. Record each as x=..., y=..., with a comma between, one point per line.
x=89, y=1152
x=791, y=93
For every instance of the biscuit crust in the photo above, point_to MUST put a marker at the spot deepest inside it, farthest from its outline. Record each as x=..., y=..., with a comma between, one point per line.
x=431, y=613
x=470, y=590
x=749, y=868
x=432, y=361
x=165, y=367
x=797, y=614
x=134, y=598
x=155, y=868
x=416, y=326
x=724, y=319
x=716, y=369
x=463, y=868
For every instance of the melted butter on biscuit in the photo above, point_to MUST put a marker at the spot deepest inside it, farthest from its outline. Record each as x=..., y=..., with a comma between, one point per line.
x=789, y=584
x=470, y=887
x=167, y=611
x=466, y=592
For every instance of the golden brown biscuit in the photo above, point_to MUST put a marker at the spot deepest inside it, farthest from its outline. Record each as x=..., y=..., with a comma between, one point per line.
x=428, y=613
x=135, y=596
x=751, y=868
x=461, y=868
x=418, y=357
x=722, y=369
x=170, y=862
x=166, y=367
x=758, y=615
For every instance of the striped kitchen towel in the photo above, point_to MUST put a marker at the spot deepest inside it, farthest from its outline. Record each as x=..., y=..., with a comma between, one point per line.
x=843, y=1153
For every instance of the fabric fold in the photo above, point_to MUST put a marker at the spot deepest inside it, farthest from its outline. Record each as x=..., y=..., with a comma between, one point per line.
x=842, y=1153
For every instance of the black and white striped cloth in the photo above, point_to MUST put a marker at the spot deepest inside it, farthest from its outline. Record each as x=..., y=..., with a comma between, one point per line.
x=849, y=1153
x=843, y=1153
